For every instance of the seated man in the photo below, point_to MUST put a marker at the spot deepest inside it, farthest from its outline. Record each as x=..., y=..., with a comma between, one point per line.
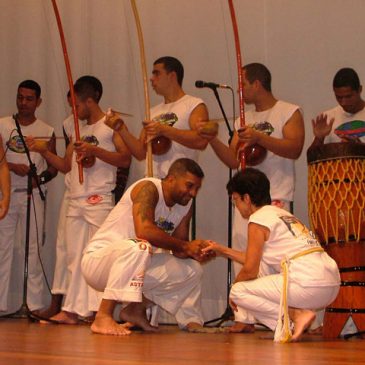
x=303, y=275
x=122, y=258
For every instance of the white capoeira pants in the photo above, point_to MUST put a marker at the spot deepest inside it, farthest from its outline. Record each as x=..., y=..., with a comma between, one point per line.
x=191, y=310
x=261, y=298
x=16, y=217
x=126, y=269
x=60, y=278
x=82, y=221
x=239, y=242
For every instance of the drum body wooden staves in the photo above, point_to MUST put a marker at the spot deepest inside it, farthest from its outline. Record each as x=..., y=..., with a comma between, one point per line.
x=336, y=201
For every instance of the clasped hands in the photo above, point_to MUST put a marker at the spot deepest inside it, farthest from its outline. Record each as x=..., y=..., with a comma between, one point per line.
x=199, y=250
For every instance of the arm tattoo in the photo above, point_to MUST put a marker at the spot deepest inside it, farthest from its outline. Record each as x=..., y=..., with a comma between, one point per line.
x=146, y=199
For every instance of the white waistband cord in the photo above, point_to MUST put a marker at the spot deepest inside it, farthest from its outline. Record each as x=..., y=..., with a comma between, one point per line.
x=283, y=332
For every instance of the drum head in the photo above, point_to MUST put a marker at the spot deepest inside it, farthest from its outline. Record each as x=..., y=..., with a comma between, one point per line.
x=332, y=151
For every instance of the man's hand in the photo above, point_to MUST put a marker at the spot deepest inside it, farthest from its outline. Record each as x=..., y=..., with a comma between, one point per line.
x=212, y=249
x=321, y=128
x=84, y=149
x=207, y=129
x=36, y=145
x=248, y=136
x=19, y=169
x=194, y=250
x=152, y=129
x=114, y=120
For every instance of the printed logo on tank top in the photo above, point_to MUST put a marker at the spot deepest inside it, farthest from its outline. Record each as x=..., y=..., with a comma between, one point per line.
x=15, y=144
x=299, y=230
x=90, y=139
x=165, y=225
x=264, y=127
x=166, y=118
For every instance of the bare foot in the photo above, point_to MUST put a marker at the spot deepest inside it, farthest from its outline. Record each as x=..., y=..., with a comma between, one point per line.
x=64, y=317
x=46, y=313
x=136, y=314
x=106, y=325
x=240, y=327
x=302, y=319
x=53, y=309
x=194, y=327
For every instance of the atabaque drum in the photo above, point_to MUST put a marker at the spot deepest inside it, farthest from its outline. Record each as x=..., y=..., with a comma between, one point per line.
x=336, y=201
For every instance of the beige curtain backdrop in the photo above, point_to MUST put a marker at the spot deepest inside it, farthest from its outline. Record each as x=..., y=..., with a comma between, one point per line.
x=303, y=43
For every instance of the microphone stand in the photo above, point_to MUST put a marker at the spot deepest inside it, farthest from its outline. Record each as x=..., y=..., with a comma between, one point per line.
x=228, y=314
x=24, y=311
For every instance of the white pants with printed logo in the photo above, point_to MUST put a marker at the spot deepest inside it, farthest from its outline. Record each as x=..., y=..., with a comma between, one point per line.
x=124, y=272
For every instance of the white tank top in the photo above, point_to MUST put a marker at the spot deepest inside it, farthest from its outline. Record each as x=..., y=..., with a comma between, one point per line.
x=178, y=114
x=119, y=224
x=279, y=170
x=100, y=178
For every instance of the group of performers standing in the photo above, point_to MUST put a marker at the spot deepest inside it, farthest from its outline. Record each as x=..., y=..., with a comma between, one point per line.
x=138, y=252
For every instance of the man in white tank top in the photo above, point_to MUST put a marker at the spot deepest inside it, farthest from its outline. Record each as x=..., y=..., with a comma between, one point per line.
x=100, y=152
x=300, y=273
x=277, y=126
x=141, y=255
x=173, y=131
x=175, y=120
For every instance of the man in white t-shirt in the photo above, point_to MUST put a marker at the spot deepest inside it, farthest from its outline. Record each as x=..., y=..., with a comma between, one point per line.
x=278, y=127
x=27, y=101
x=351, y=107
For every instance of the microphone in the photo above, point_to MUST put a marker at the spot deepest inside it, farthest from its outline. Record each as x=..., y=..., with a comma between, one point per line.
x=210, y=85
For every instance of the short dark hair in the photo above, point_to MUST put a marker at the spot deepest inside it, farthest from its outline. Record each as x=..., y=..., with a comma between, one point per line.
x=346, y=77
x=183, y=165
x=172, y=64
x=252, y=182
x=258, y=71
x=32, y=85
x=88, y=87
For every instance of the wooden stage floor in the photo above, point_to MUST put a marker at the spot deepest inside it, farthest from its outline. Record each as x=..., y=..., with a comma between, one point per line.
x=26, y=343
